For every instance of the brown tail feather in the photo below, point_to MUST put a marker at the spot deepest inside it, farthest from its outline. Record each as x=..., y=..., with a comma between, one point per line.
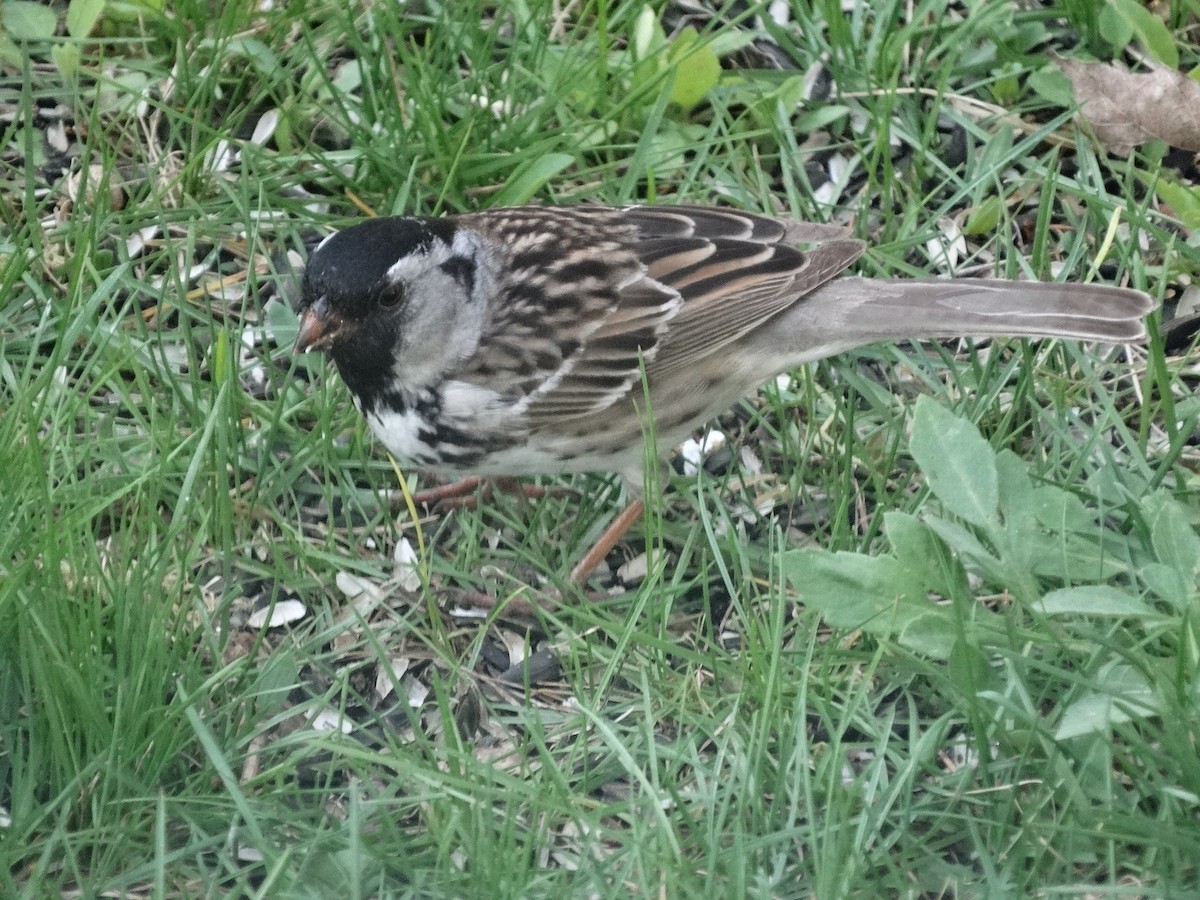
x=852, y=312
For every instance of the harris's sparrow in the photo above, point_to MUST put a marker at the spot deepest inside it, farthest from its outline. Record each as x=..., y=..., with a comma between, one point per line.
x=513, y=341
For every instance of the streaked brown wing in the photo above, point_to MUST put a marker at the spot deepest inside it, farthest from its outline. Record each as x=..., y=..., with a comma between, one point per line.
x=705, y=222
x=576, y=316
x=607, y=366
x=732, y=272
x=602, y=291
x=712, y=224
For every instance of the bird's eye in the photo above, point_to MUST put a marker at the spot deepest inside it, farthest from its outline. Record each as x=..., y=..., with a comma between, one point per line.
x=391, y=296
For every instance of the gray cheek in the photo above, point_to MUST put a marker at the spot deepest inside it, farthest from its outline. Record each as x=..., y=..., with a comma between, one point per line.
x=439, y=328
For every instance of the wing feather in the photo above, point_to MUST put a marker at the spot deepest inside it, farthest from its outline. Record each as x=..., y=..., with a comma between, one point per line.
x=598, y=293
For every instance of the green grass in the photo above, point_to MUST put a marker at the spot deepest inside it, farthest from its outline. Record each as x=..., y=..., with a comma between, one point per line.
x=857, y=690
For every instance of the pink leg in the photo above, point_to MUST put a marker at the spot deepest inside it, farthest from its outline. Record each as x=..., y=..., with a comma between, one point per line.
x=466, y=493
x=455, y=490
x=607, y=540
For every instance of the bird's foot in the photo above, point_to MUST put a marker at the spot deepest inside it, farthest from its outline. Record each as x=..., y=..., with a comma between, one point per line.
x=468, y=492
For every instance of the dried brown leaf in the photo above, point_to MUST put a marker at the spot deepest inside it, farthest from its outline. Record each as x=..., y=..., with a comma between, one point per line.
x=1127, y=108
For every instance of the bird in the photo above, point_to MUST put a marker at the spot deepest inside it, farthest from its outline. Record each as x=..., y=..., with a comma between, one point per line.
x=538, y=340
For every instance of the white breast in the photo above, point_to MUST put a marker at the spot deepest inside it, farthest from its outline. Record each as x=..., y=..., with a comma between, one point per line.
x=401, y=434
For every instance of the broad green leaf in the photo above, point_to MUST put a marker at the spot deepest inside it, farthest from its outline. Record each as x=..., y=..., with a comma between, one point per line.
x=1115, y=28
x=279, y=674
x=1053, y=86
x=697, y=69
x=66, y=58
x=667, y=151
x=1168, y=584
x=1060, y=510
x=961, y=541
x=9, y=52
x=959, y=464
x=984, y=218
x=262, y=56
x=919, y=548
x=126, y=92
x=880, y=595
x=283, y=323
x=531, y=178
x=132, y=10
x=815, y=119
x=1184, y=201
x=82, y=16
x=25, y=21
x=851, y=590
x=731, y=41
x=1019, y=540
x=648, y=47
x=1150, y=30
x=347, y=80
x=1006, y=89
x=1175, y=541
x=968, y=667
x=932, y=633
x=977, y=558
x=1126, y=695
x=647, y=34
x=1074, y=557
x=1094, y=600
